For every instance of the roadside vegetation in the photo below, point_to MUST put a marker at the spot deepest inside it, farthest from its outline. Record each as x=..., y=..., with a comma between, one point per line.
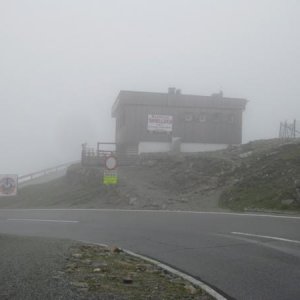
x=96, y=270
x=266, y=180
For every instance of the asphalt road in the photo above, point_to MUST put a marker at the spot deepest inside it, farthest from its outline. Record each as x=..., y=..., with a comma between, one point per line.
x=244, y=256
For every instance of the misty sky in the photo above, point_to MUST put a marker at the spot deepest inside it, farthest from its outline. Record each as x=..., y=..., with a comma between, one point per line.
x=63, y=62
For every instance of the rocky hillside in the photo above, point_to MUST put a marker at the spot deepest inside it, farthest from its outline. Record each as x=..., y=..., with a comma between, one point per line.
x=266, y=179
x=258, y=175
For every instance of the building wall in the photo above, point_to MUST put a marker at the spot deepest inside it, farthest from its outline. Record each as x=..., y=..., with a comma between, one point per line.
x=193, y=125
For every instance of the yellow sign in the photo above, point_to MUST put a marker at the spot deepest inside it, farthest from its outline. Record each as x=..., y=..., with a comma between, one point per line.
x=108, y=180
x=110, y=177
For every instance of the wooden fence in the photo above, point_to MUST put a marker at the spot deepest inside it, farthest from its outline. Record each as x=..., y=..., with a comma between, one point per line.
x=289, y=130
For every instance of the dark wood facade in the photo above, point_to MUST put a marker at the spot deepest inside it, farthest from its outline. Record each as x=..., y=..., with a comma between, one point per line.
x=196, y=119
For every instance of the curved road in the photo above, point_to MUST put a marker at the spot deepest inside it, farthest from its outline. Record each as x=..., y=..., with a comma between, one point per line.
x=246, y=256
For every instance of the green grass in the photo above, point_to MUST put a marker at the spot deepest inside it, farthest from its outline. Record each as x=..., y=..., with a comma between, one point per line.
x=81, y=187
x=264, y=180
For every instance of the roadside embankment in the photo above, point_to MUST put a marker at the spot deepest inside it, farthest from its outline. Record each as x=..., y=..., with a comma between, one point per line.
x=266, y=180
x=260, y=175
x=40, y=268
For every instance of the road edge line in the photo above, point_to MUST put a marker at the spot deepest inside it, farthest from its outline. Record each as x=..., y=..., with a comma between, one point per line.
x=172, y=270
x=283, y=216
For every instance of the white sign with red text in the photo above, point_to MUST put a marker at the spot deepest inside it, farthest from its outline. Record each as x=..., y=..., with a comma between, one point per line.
x=160, y=123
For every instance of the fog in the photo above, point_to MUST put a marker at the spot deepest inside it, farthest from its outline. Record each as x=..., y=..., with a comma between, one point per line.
x=62, y=64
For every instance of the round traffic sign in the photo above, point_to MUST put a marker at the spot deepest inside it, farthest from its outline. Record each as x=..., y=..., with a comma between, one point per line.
x=8, y=185
x=110, y=162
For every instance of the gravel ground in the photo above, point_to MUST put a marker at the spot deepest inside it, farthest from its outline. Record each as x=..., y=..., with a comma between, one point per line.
x=44, y=268
x=30, y=268
x=95, y=270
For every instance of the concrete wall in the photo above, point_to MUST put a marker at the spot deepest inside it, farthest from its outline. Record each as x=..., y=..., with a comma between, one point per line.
x=152, y=147
x=197, y=147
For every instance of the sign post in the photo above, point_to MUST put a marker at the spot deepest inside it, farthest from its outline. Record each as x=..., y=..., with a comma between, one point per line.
x=8, y=185
x=110, y=176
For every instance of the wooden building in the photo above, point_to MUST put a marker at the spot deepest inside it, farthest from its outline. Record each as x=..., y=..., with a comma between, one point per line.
x=159, y=122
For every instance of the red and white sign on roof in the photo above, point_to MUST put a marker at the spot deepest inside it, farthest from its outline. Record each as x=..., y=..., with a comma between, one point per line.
x=160, y=123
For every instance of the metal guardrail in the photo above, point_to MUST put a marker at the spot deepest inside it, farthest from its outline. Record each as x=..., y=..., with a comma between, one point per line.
x=41, y=173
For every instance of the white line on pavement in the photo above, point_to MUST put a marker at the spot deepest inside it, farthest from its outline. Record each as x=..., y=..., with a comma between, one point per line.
x=155, y=211
x=40, y=220
x=266, y=237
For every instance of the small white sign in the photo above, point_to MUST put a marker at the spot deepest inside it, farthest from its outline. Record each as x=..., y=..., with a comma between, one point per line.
x=110, y=173
x=110, y=163
x=160, y=123
x=8, y=185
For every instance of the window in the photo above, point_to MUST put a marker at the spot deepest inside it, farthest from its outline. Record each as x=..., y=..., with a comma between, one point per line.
x=202, y=117
x=188, y=117
x=217, y=117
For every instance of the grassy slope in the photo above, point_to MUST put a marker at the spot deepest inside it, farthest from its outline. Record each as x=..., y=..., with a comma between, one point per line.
x=265, y=179
x=79, y=188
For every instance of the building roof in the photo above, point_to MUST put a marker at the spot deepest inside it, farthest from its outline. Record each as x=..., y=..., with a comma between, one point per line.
x=175, y=98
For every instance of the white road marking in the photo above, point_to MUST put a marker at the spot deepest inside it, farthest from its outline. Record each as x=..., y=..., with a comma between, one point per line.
x=155, y=211
x=267, y=237
x=41, y=220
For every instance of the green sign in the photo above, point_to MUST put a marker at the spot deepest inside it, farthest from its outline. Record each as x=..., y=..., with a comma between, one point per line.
x=108, y=180
x=110, y=177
